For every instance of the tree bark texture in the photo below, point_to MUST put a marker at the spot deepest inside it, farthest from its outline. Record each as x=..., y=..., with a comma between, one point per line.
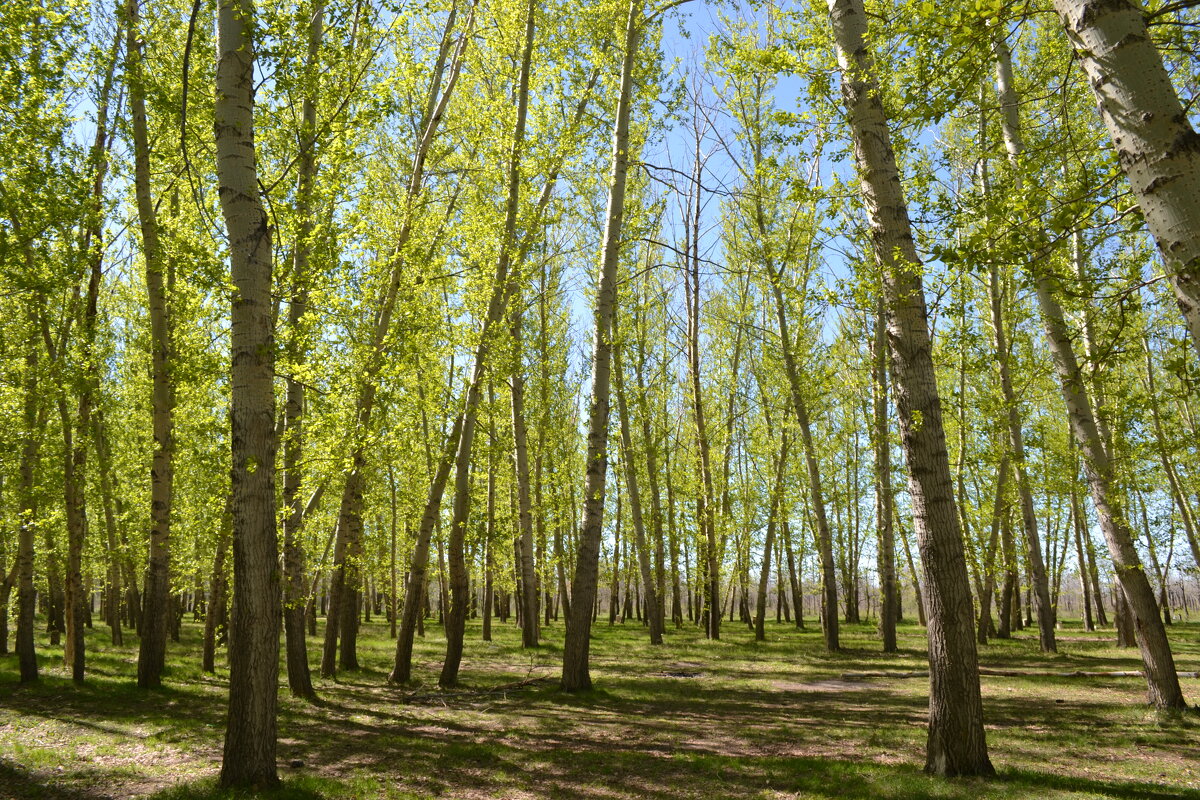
x=1156, y=145
x=576, y=675
x=956, y=743
x=153, y=644
x=250, y=736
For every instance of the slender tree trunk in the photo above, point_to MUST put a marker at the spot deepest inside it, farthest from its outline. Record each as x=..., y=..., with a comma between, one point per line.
x=824, y=535
x=889, y=589
x=530, y=591
x=1033, y=549
x=115, y=557
x=656, y=510
x=1163, y=683
x=418, y=568
x=1084, y=582
x=218, y=591
x=489, y=536
x=706, y=511
x=653, y=616
x=294, y=597
x=250, y=737
x=76, y=431
x=760, y=633
x=1164, y=454
x=793, y=575
x=27, y=511
x=344, y=589
x=673, y=542
x=576, y=675
x=393, y=609
x=989, y=571
x=153, y=645
x=1155, y=562
x=956, y=743
x=1156, y=145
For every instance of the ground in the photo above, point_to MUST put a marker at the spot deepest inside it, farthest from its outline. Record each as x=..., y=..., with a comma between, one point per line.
x=692, y=719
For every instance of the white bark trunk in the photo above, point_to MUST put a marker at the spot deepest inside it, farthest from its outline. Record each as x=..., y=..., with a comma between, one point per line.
x=1156, y=145
x=250, y=739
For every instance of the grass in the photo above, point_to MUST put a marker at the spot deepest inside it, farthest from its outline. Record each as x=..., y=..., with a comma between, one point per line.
x=775, y=719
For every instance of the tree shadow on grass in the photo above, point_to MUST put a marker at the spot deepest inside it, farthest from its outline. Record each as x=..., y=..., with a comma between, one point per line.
x=18, y=783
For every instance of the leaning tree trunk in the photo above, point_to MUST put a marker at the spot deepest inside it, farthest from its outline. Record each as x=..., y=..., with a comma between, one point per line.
x=822, y=531
x=415, y=594
x=1151, y=635
x=1178, y=495
x=1156, y=145
x=575, y=675
x=502, y=291
x=1016, y=442
x=956, y=743
x=342, y=618
x=156, y=600
x=250, y=734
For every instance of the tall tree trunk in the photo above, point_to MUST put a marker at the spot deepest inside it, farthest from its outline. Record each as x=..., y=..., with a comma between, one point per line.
x=1163, y=683
x=295, y=600
x=250, y=736
x=76, y=431
x=889, y=588
x=393, y=520
x=489, y=533
x=760, y=633
x=153, y=645
x=1033, y=548
x=27, y=509
x=824, y=535
x=1085, y=585
x=651, y=444
x=218, y=592
x=116, y=558
x=706, y=511
x=576, y=675
x=1156, y=145
x=989, y=567
x=342, y=619
x=673, y=539
x=529, y=592
x=956, y=743
x=653, y=617
x=1164, y=455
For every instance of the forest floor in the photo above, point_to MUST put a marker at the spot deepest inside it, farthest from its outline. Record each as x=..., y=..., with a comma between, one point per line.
x=693, y=719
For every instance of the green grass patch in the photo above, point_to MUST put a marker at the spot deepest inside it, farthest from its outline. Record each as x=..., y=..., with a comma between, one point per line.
x=692, y=719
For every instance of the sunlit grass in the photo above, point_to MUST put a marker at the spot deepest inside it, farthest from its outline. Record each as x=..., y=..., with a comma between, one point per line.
x=694, y=718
